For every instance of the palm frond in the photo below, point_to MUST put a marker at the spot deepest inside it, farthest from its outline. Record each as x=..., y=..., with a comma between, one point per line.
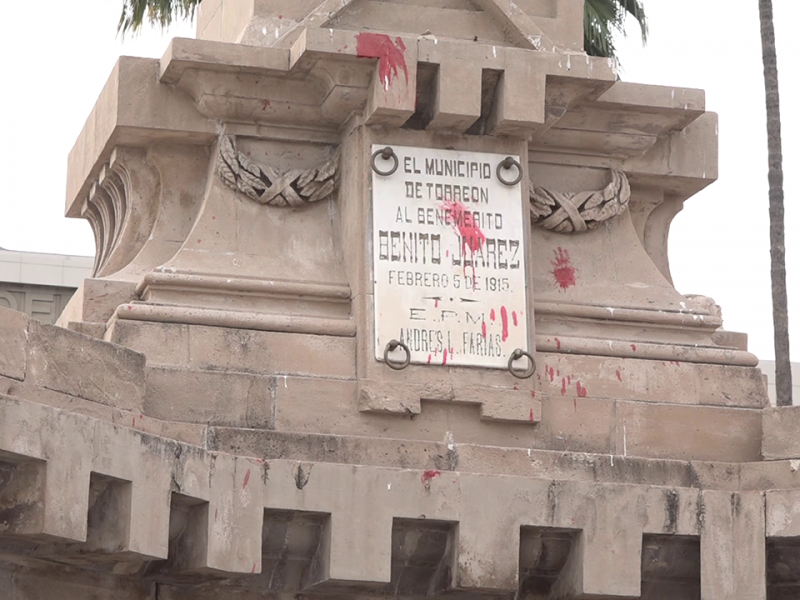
x=155, y=12
x=603, y=18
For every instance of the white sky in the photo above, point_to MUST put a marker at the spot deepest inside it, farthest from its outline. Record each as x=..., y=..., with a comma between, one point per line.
x=58, y=55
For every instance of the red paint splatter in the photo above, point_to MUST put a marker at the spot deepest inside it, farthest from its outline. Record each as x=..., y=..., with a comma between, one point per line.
x=483, y=328
x=516, y=387
x=563, y=271
x=198, y=241
x=447, y=253
x=504, y=319
x=563, y=386
x=266, y=104
x=533, y=393
x=429, y=359
x=569, y=379
x=514, y=317
x=428, y=475
x=633, y=347
x=492, y=315
x=581, y=390
x=213, y=218
x=531, y=416
x=464, y=225
x=551, y=372
x=436, y=303
x=619, y=375
x=444, y=357
x=281, y=17
x=558, y=343
x=390, y=55
x=130, y=307
x=246, y=479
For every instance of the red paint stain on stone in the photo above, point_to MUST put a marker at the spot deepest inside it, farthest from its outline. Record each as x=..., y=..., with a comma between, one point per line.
x=464, y=225
x=130, y=307
x=504, y=319
x=429, y=359
x=390, y=55
x=444, y=357
x=199, y=241
x=563, y=271
x=531, y=416
x=533, y=393
x=619, y=375
x=483, y=328
x=254, y=568
x=436, y=303
x=563, y=386
x=581, y=390
x=633, y=347
x=492, y=315
x=213, y=218
x=558, y=343
x=246, y=479
x=428, y=475
x=514, y=317
x=569, y=379
x=516, y=387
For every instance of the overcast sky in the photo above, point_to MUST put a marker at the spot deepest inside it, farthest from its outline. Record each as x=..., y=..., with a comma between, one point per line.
x=57, y=56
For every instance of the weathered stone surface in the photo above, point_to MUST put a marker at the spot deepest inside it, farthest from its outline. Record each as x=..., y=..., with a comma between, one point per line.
x=13, y=343
x=689, y=433
x=780, y=439
x=732, y=546
x=75, y=364
x=211, y=397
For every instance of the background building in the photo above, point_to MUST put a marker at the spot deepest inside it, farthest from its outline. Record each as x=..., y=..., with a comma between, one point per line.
x=40, y=285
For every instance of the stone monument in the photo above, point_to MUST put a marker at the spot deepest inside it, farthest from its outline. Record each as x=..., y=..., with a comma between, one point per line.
x=382, y=307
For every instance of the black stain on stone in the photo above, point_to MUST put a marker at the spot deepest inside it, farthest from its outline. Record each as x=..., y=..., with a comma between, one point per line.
x=671, y=520
x=301, y=476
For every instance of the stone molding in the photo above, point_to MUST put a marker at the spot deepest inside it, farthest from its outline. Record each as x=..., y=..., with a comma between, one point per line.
x=575, y=212
x=271, y=186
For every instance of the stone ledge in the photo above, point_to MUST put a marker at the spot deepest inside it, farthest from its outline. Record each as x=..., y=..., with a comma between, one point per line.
x=82, y=366
x=360, y=505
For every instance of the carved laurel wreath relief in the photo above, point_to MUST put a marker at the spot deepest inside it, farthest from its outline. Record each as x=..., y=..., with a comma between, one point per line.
x=274, y=187
x=573, y=212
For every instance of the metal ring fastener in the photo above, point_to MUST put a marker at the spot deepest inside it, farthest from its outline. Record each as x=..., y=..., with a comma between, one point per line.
x=386, y=154
x=505, y=165
x=394, y=345
x=529, y=370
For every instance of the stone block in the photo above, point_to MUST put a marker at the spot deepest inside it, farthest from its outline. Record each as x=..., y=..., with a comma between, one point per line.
x=783, y=513
x=161, y=343
x=271, y=352
x=211, y=397
x=13, y=343
x=780, y=437
x=75, y=364
x=688, y=432
x=733, y=552
x=62, y=443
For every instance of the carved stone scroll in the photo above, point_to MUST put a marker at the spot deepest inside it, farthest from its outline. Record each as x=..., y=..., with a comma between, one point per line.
x=573, y=212
x=270, y=186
